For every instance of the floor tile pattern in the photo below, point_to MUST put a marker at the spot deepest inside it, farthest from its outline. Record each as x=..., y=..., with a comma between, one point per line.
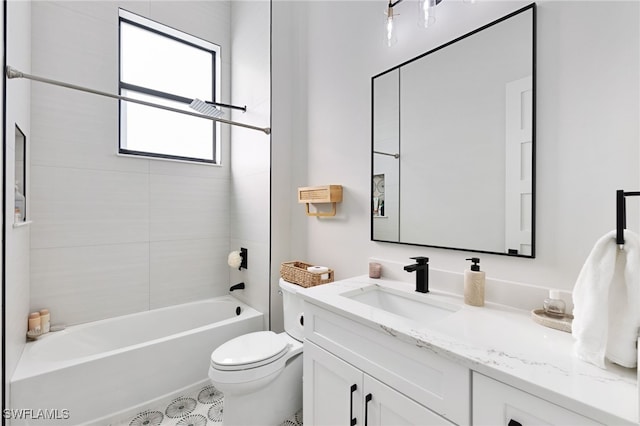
x=200, y=408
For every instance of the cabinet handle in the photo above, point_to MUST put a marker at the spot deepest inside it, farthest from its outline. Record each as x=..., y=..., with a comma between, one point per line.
x=366, y=408
x=513, y=423
x=353, y=420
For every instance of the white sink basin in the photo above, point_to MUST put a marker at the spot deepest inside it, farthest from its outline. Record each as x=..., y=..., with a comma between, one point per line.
x=414, y=306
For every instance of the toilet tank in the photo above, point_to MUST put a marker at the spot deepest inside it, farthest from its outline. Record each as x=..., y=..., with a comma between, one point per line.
x=292, y=309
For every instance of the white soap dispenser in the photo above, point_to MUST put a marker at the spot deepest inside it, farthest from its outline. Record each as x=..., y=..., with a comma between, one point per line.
x=474, y=284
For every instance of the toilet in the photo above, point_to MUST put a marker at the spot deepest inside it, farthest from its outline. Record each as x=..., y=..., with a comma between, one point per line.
x=260, y=373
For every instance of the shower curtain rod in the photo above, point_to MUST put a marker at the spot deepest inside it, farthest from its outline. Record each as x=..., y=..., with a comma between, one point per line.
x=14, y=73
x=395, y=155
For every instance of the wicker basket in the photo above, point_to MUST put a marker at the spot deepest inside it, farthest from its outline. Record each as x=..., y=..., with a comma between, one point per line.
x=296, y=272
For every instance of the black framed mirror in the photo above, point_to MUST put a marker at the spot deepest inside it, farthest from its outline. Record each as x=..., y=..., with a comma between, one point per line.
x=453, y=143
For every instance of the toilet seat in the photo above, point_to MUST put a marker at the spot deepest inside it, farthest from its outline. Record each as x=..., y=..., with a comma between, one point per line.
x=248, y=351
x=253, y=371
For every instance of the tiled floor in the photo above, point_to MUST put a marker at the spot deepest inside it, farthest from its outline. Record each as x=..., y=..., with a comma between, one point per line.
x=200, y=408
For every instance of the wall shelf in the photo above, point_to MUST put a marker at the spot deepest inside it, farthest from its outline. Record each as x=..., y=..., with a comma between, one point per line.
x=318, y=195
x=21, y=224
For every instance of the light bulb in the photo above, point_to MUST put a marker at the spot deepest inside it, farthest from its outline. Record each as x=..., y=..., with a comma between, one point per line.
x=426, y=13
x=390, y=34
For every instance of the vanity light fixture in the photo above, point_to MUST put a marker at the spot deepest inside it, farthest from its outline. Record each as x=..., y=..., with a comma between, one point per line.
x=426, y=17
x=391, y=38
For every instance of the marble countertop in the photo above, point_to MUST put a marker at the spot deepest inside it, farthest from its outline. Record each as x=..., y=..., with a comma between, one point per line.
x=501, y=342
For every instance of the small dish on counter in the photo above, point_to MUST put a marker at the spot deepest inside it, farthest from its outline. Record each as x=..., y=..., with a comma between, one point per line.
x=559, y=323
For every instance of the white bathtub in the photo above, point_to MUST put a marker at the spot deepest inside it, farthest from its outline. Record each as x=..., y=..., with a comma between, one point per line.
x=94, y=370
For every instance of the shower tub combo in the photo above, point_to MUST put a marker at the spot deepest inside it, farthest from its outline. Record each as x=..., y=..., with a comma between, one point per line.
x=92, y=371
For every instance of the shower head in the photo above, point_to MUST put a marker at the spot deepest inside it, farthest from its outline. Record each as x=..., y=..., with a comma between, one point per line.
x=205, y=108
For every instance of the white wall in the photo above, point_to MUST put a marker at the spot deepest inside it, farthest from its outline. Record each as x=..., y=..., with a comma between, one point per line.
x=114, y=235
x=587, y=127
x=17, y=239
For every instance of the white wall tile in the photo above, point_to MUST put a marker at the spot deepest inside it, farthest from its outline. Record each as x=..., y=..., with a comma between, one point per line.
x=251, y=150
x=255, y=277
x=75, y=129
x=104, y=10
x=16, y=256
x=75, y=207
x=176, y=168
x=250, y=86
x=105, y=223
x=74, y=47
x=250, y=43
x=183, y=207
x=82, y=284
x=289, y=167
x=209, y=20
x=250, y=207
x=16, y=292
x=188, y=270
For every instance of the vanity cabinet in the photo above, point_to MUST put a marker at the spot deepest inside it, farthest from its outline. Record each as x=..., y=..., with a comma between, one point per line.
x=353, y=371
x=337, y=393
x=496, y=404
x=366, y=363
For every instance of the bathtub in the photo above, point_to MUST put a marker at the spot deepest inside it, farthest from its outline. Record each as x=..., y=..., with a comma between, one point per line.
x=92, y=371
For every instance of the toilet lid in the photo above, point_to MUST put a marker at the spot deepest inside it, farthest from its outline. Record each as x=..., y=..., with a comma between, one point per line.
x=249, y=351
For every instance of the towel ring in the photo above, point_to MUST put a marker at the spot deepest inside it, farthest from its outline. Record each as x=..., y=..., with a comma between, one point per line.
x=621, y=214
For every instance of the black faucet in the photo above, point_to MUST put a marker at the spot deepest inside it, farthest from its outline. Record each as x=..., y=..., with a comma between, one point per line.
x=422, y=273
x=239, y=286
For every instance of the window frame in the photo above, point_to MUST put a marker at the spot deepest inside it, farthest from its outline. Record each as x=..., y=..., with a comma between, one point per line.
x=189, y=40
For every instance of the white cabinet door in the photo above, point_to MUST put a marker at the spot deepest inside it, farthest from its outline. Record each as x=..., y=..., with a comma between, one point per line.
x=495, y=404
x=332, y=390
x=385, y=406
x=336, y=393
x=415, y=371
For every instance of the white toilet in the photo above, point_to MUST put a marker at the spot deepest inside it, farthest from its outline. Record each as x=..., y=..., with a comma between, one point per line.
x=260, y=373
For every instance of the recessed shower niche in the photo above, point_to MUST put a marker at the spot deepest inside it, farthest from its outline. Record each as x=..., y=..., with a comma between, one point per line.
x=20, y=177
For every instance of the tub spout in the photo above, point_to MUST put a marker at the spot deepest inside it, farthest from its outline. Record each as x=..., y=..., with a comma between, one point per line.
x=239, y=286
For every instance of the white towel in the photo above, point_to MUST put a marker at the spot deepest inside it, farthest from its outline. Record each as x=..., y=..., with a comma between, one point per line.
x=606, y=300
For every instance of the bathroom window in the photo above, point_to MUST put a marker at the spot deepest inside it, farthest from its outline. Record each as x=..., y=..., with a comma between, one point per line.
x=162, y=65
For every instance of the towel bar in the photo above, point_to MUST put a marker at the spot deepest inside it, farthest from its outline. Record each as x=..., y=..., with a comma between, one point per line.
x=621, y=214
